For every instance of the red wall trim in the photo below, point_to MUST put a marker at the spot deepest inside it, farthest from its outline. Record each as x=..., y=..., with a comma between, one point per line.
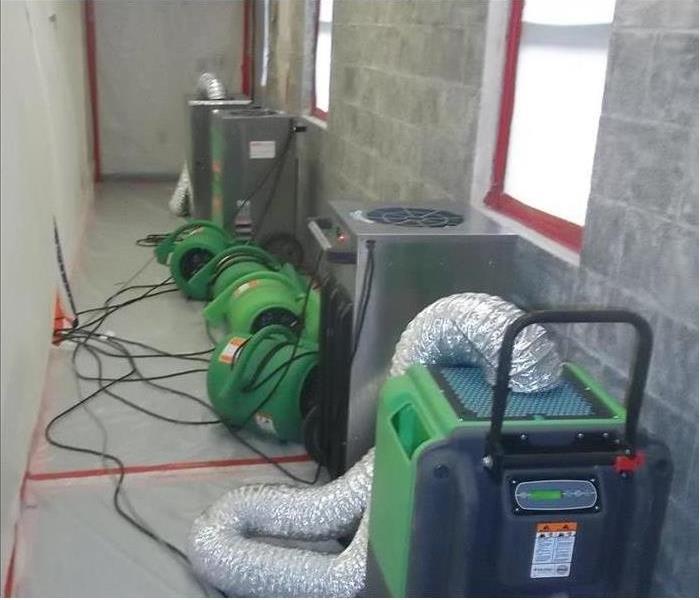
x=315, y=110
x=564, y=232
x=507, y=95
x=92, y=81
x=555, y=228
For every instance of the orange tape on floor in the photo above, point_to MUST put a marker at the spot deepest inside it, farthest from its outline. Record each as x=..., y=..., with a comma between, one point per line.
x=168, y=467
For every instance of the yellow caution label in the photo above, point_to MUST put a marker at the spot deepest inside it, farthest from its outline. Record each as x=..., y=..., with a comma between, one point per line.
x=228, y=355
x=245, y=287
x=553, y=549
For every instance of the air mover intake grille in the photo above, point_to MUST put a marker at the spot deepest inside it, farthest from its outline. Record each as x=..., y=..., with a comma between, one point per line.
x=471, y=396
x=408, y=216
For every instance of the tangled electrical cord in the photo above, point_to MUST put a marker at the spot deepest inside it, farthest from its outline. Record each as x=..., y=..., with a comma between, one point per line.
x=151, y=240
x=81, y=336
x=98, y=345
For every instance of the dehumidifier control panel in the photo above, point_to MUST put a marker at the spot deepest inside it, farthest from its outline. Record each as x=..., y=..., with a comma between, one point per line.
x=555, y=495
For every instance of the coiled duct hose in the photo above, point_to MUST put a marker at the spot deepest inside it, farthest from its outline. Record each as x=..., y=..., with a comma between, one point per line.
x=222, y=548
x=464, y=327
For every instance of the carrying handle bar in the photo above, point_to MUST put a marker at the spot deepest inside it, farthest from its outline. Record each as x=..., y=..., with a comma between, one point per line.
x=635, y=388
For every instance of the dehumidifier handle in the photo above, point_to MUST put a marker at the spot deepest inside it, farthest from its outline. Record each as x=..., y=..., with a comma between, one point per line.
x=638, y=376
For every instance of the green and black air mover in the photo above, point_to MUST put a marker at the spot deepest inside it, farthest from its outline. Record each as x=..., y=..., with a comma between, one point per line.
x=227, y=266
x=266, y=298
x=187, y=249
x=482, y=491
x=265, y=382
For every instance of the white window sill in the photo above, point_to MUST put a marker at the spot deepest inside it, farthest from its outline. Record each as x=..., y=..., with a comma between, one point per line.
x=316, y=121
x=541, y=241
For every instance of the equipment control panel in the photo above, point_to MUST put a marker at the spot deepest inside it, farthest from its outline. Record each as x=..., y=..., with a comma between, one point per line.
x=334, y=240
x=556, y=495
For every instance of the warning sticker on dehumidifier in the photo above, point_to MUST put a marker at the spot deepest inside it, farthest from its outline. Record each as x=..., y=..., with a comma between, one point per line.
x=262, y=149
x=553, y=550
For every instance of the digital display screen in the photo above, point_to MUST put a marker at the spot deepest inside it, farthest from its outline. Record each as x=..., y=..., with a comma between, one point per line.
x=546, y=495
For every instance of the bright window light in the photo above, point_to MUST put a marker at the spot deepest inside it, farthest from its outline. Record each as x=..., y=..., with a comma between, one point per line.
x=322, y=71
x=558, y=95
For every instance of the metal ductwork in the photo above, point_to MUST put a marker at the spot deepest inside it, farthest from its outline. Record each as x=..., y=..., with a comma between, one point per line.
x=467, y=329
x=223, y=549
x=210, y=87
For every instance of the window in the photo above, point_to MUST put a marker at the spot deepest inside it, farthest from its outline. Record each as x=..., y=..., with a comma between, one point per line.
x=322, y=60
x=554, y=77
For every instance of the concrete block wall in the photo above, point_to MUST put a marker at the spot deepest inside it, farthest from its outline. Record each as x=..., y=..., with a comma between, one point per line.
x=641, y=247
x=405, y=95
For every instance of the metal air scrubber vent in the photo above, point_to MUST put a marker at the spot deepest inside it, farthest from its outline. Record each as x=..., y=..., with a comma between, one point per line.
x=414, y=217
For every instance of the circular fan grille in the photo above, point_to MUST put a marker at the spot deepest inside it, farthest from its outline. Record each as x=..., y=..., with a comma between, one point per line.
x=414, y=217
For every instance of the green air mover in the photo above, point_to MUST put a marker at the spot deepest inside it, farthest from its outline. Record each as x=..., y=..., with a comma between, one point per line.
x=189, y=248
x=267, y=298
x=227, y=266
x=252, y=383
x=484, y=492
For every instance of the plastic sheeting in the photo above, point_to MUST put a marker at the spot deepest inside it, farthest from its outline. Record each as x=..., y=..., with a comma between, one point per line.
x=72, y=543
x=70, y=540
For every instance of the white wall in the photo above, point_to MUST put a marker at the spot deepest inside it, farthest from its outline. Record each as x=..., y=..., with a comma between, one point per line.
x=149, y=55
x=46, y=169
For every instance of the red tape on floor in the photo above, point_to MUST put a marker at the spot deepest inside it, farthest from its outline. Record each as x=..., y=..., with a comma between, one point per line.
x=8, y=588
x=168, y=467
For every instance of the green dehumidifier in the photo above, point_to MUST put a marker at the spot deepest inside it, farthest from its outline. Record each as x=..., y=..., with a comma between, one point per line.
x=481, y=491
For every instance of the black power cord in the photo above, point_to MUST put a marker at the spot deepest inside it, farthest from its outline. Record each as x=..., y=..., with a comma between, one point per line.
x=64, y=275
x=151, y=240
x=364, y=297
x=276, y=166
x=82, y=342
x=94, y=343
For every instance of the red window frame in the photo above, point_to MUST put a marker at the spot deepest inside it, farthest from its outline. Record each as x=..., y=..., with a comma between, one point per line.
x=315, y=110
x=564, y=232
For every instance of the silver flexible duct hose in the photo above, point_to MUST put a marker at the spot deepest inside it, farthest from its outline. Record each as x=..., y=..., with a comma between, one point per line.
x=209, y=86
x=468, y=329
x=464, y=328
x=181, y=197
x=223, y=550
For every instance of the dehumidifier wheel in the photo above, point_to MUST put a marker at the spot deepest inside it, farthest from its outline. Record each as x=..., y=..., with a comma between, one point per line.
x=285, y=247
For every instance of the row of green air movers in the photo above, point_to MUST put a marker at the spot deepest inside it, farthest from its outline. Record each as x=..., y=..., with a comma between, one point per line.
x=262, y=373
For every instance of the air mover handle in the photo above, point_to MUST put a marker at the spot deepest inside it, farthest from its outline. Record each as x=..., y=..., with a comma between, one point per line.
x=256, y=339
x=216, y=309
x=635, y=389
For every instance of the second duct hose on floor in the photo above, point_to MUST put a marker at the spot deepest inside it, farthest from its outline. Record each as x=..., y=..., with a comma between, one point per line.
x=464, y=327
x=223, y=549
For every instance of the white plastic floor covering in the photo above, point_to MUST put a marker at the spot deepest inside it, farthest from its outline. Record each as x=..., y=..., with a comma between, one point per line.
x=70, y=541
